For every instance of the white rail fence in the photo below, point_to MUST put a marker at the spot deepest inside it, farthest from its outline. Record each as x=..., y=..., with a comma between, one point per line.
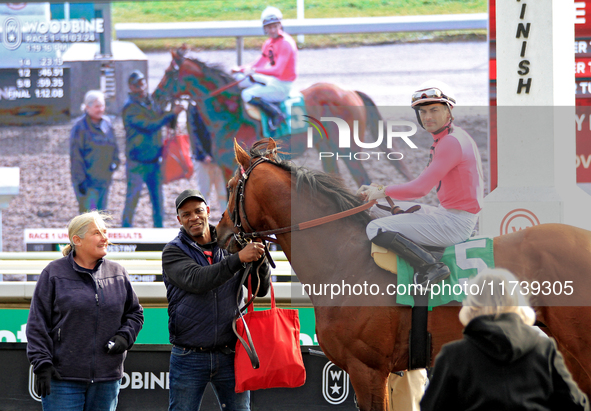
x=137, y=264
x=350, y=25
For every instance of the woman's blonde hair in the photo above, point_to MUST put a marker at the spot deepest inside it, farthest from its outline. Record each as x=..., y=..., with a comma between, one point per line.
x=79, y=226
x=498, y=292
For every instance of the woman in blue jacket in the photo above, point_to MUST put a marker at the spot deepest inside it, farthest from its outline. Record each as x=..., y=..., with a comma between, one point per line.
x=94, y=154
x=84, y=316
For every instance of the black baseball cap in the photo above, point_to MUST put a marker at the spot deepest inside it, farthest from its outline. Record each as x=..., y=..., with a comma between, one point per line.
x=187, y=194
x=135, y=77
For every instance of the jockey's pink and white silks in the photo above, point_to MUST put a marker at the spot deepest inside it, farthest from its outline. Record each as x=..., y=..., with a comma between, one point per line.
x=278, y=58
x=456, y=170
x=456, y=166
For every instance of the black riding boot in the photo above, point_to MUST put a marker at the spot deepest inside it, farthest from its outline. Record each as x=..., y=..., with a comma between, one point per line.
x=271, y=110
x=427, y=266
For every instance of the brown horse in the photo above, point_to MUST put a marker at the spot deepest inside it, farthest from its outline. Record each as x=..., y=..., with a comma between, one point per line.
x=226, y=119
x=368, y=337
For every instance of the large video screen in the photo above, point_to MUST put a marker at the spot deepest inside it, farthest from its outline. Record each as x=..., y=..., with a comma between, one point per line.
x=53, y=53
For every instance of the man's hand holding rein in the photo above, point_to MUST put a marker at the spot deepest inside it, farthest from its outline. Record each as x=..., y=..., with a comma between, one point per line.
x=252, y=252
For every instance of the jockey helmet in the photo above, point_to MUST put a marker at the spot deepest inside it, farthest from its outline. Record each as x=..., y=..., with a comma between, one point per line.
x=430, y=92
x=433, y=91
x=271, y=15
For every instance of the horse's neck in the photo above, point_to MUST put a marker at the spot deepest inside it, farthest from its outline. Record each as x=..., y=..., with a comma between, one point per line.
x=329, y=249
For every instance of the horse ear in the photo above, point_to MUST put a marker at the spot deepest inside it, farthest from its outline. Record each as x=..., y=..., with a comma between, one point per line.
x=242, y=156
x=272, y=145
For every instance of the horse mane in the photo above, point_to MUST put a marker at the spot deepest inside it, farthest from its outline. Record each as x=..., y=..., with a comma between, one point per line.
x=214, y=72
x=318, y=182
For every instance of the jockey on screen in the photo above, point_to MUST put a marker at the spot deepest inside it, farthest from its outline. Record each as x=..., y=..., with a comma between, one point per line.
x=454, y=168
x=275, y=69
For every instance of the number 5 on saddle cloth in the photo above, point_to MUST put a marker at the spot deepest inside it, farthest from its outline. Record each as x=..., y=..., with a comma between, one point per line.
x=464, y=260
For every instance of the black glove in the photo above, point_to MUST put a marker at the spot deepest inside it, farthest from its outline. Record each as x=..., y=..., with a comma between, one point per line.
x=117, y=345
x=43, y=380
x=82, y=188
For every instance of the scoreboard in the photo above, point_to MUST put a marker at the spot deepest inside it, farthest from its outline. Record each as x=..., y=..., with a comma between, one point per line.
x=34, y=81
x=35, y=93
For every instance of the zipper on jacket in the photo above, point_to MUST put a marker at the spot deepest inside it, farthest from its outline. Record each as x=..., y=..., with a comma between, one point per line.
x=96, y=298
x=59, y=334
x=215, y=322
x=96, y=285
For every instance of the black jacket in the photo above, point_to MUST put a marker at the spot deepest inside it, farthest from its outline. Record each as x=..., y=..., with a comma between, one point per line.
x=502, y=364
x=201, y=296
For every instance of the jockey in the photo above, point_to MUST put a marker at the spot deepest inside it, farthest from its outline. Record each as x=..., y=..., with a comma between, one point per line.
x=274, y=72
x=454, y=168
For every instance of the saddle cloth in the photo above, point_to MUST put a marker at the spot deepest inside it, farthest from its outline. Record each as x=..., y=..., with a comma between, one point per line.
x=293, y=109
x=464, y=260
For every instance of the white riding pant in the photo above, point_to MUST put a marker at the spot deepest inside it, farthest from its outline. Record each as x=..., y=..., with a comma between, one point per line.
x=431, y=226
x=208, y=175
x=273, y=91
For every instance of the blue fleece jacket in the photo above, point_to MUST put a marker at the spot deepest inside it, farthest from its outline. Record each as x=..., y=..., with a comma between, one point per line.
x=74, y=314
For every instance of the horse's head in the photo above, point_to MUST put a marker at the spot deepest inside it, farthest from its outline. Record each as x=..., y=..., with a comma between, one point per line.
x=232, y=222
x=169, y=87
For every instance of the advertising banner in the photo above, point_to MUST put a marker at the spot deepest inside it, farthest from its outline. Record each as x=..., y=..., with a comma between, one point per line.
x=145, y=384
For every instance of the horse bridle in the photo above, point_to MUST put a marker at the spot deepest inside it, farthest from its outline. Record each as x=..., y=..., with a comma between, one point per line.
x=245, y=231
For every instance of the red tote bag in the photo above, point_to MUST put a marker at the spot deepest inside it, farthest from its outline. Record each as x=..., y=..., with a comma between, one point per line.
x=275, y=336
x=176, y=158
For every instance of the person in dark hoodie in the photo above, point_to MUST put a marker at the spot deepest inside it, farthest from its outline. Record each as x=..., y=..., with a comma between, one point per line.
x=203, y=285
x=84, y=317
x=502, y=363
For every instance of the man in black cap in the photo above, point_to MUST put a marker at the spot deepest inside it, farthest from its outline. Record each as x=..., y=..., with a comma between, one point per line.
x=203, y=283
x=143, y=147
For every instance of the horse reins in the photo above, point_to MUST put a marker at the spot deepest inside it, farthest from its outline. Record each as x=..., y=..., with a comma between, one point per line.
x=240, y=220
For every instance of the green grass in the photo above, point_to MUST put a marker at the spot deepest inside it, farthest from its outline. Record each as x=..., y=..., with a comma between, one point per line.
x=202, y=10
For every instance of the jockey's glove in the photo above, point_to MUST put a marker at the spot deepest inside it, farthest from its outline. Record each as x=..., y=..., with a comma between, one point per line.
x=372, y=192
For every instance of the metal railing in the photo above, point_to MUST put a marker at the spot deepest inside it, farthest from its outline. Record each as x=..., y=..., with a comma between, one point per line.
x=349, y=25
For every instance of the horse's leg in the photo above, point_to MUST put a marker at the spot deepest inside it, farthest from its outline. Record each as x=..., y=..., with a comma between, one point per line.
x=370, y=386
x=373, y=117
x=355, y=165
x=329, y=163
x=569, y=327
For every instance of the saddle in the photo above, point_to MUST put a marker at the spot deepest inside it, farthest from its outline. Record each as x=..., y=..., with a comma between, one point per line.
x=388, y=260
x=293, y=110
